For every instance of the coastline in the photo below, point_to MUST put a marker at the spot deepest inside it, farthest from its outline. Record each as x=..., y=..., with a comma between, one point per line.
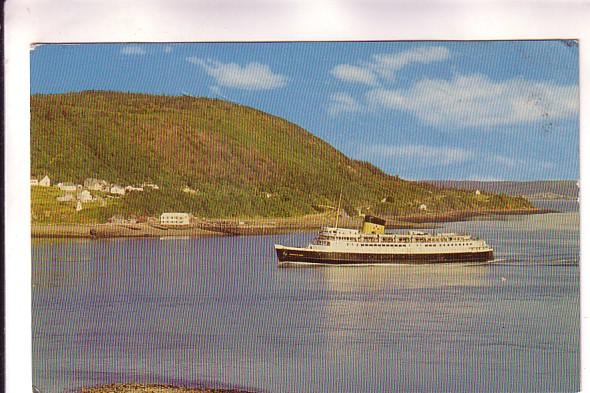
x=90, y=231
x=266, y=226
x=463, y=215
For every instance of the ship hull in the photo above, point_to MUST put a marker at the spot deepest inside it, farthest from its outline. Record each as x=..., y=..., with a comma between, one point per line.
x=292, y=255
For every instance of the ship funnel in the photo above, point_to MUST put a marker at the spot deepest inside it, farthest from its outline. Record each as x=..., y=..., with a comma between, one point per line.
x=374, y=225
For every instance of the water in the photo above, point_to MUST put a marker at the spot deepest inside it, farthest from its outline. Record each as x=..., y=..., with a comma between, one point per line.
x=219, y=312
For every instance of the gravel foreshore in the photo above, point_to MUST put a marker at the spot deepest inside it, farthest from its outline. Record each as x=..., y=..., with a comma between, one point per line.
x=257, y=226
x=137, y=388
x=115, y=230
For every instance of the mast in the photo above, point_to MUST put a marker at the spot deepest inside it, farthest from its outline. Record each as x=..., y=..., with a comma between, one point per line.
x=338, y=211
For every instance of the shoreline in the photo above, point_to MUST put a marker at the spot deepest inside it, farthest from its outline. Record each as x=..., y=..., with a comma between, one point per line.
x=464, y=215
x=266, y=226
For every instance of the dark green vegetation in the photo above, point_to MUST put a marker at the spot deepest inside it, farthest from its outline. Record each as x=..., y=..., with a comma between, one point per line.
x=242, y=162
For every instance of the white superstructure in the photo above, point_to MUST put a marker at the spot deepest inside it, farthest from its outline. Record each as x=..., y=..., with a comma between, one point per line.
x=332, y=239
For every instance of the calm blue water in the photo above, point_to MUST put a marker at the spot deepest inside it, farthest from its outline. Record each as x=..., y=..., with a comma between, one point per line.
x=218, y=311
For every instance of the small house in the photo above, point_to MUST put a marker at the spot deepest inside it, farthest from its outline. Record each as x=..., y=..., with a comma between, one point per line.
x=189, y=190
x=34, y=181
x=68, y=187
x=423, y=207
x=78, y=206
x=96, y=184
x=150, y=185
x=45, y=182
x=133, y=188
x=65, y=198
x=477, y=192
x=84, y=196
x=117, y=189
x=175, y=219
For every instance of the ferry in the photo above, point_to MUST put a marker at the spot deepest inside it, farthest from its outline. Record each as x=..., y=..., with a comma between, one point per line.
x=371, y=245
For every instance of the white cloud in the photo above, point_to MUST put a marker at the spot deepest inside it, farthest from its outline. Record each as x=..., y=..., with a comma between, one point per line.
x=513, y=162
x=477, y=101
x=350, y=73
x=133, y=50
x=422, y=155
x=252, y=76
x=510, y=162
x=217, y=91
x=342, y=102
x=387, y=64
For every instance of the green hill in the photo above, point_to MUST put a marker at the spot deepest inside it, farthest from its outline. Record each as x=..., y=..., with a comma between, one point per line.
x=242, y=162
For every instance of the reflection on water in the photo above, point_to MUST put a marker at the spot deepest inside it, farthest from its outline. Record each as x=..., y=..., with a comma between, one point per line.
x=378, y=278
x=219, y=311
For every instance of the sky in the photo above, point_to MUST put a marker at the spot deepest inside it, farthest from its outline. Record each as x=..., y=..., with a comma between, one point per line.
x=489, y=110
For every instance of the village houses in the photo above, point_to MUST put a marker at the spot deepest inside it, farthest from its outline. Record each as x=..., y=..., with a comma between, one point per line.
x=150, y=185
x=117, y=189
x=96, y=185
x=65, y=198
x=44, y=182
x=84, y=196
x=68, y=187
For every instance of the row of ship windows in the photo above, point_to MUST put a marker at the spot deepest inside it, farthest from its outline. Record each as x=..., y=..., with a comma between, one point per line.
x=405, y=245
x=327, y=243
x=402, y=239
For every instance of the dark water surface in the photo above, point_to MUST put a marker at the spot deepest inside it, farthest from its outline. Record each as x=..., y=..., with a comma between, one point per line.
x=218, y=311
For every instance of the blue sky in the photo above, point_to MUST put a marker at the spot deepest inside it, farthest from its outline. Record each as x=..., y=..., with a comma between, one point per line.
x=495, y=110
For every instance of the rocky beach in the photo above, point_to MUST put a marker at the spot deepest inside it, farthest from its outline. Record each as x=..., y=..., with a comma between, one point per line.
x=259, y=226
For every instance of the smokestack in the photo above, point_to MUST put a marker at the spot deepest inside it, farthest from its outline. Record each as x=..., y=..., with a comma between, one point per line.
x=374, y=225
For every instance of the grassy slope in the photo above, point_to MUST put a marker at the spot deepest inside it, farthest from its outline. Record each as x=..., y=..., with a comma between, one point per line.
x=233, y=155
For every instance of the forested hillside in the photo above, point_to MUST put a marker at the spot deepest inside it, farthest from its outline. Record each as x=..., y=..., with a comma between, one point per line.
x=238, y=160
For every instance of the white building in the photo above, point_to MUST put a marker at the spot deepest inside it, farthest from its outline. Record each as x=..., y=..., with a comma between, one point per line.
x=65, y=198
x=477, y=192
x=84, y=196
x=96, y=184
x=45, y=182
x=78, y=206
x=175, y=218
x=117, y=189
x=151, y=185
x=34, y=181
x=68, y=187
x=423, y=207
x=133, y=188
x=189, y=190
